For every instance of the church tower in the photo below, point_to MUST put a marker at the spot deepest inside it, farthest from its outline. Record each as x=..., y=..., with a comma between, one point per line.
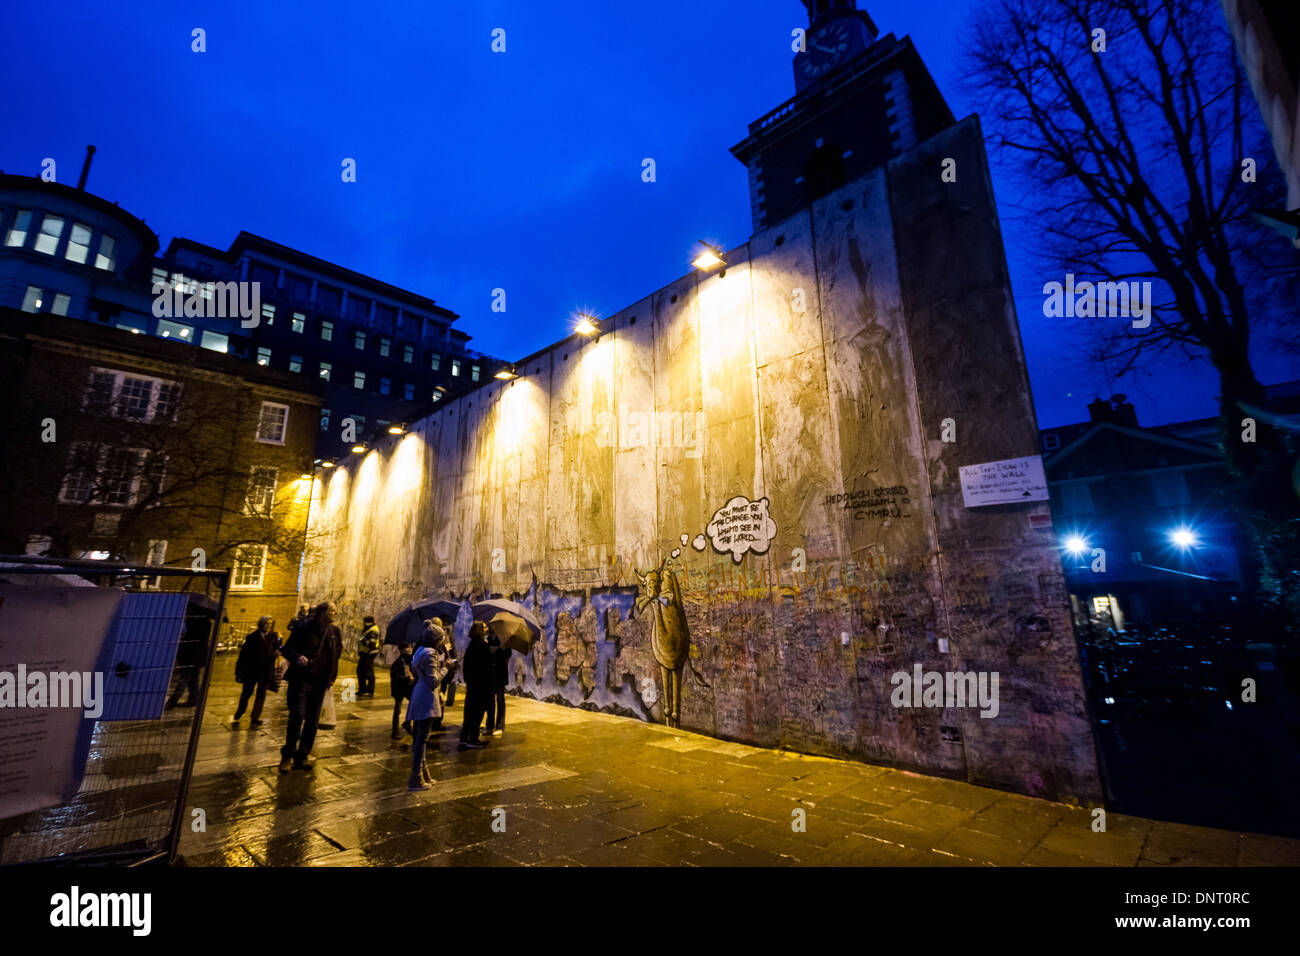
x=860, y=100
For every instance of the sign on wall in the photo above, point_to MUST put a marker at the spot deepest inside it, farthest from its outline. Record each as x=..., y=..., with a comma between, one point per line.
x=1004, y=482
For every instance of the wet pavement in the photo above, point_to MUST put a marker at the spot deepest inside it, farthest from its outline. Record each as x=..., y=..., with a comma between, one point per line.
x=567, y=787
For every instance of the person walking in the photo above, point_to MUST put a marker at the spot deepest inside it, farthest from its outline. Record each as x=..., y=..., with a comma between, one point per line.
x=255, y=667
x=500, y=670
x=313, y=653
x=400, y=680
x=429, y=666
x=477, y=668
x=367, y=651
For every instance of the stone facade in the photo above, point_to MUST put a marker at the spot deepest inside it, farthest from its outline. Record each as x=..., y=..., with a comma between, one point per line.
x=741, y=487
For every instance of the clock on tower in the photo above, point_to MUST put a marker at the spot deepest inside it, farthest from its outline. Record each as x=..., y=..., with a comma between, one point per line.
x=860, y=100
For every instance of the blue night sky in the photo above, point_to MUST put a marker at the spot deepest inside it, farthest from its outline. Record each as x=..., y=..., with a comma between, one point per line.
x=475, y=170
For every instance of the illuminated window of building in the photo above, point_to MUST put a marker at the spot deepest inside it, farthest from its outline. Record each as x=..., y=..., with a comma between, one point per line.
x=1101, y=604
x=60, y=305
x=299, y=322
x=47, y=241
x=32, y=300
x=325, y=369
x=137, y=398
x=106, y=258
x=324, y=419
x=455, y=367
x=359, y=379
x=385, y=344
x=295, y=363
x=359, y=339
x=263, y=356
x=408, y=353
x=18, y=231
x=268, y=313
x=326, y=330
x=248, y=567
x=473, y=373
x=435, y=361
x=78, y=243
x=215, y=341
x=175, y=330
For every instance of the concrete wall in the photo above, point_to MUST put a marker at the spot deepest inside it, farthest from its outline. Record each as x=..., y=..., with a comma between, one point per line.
x=567, y=486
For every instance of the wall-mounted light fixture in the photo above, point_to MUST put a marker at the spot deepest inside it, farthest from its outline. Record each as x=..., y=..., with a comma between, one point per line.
x=506, y=372
x=397, y=428
x=588, y=325
x=710, y=257
x=327, y=464
x=359, y=448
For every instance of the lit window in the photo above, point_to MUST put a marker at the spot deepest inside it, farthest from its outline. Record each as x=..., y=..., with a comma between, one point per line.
x=324, y=419
x=60, y=306
x=260, y=497
x=408, y=353
x=159, y=276
x=359, y=339
x=263, y=356
x=215, y=341
x=272, y=423
x=32, y=300
x=18, y=231
x=384, y=386
x=78, y=243
x=47, y=241
x=106, y=258
x=358, y=379
x=436, y=396
x=268, y=313
x=326, y=330
x=325, y=369
x=248, y=567
x=385, y=344
x=473, y=373
x=455, y=367
x=299, y=322
x=435, y=361
x=175, y=330
x=408, y=392
x=295, y=363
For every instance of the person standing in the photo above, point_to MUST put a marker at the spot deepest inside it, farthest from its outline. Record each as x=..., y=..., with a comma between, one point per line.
x=496, y=705
x=255, y=668
x=429, y=666
x=400, y=680
x=449, y=682
x=367, y=651
x=477, y=668
x=313, y=653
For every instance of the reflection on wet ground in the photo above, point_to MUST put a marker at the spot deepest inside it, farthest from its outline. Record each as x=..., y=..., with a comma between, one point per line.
x=568, y=787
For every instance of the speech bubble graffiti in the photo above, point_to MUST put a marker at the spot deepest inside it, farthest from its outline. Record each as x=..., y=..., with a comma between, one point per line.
x=741, y=525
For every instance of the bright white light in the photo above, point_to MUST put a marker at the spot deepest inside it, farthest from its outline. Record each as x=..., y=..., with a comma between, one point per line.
x=707, y=260
x=585, y=326
x=1183, y=537
x=1076, y=544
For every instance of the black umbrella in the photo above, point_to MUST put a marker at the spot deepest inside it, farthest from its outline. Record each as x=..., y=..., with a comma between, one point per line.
x=407, y=626
x=513, y=623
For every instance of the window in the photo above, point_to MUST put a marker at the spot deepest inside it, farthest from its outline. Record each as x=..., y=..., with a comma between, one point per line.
x=32, y=300
x=120, y=473
x=436, y=396
x=1051, y=442
x=324, y=419
x=435, y=362
x=263, y=356
x=408, y=392
x=51, y=232
x=455, y=367
x=215, y=341
x=295, y=363
x=60, y=306
x=473, y=373
x=106, y=522
x=359, y=379
x=408, y=354
x=79, y=482
x=272, y=422
x=18, y=231
x=384, y=386
x=260, y=497
x=106, y=258
x=78, y=243
x=159, y=276
x=326, y=330
x=385, y=345
x=359, y=339
x=137, y=398
x=359, y=421
x=175, y=330
x=325, y=369
x=126, y=475
x=248, y=567
x=299, y=322
x=268, y=313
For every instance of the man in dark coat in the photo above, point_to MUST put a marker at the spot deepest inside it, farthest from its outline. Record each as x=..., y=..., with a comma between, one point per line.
x=367, y=651
x=256, y=666
x=496, y=706
x=313, y=651
x=401, y=680
x=477, y=668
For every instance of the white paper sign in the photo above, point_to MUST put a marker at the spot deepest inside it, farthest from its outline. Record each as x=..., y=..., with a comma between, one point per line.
x=1004, y=482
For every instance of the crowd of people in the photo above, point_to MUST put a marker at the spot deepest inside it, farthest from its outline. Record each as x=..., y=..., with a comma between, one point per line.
x=422, y=681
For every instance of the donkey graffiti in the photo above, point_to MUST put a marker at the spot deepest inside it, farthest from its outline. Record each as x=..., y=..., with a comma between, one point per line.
x=671, y=640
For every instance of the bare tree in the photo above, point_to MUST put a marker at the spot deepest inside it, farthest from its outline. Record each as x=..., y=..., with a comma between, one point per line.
x=1144, y=156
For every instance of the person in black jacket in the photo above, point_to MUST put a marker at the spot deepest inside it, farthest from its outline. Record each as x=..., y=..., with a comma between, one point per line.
x=477, y=668
x=401, y=680
x=313, y=651
x=255, y=668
